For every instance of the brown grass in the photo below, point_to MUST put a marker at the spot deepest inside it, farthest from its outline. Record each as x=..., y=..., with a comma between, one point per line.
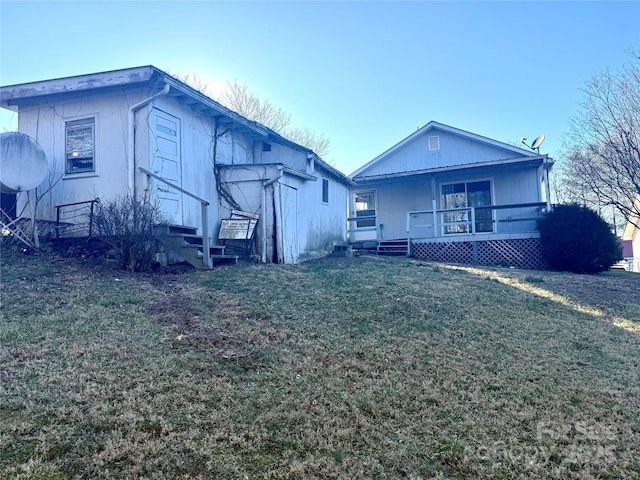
x=342, y=368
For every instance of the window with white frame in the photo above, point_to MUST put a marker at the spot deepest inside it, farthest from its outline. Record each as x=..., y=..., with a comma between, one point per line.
x=464, y=195
x=365, y=203
x=325, y=190
x=80, y=146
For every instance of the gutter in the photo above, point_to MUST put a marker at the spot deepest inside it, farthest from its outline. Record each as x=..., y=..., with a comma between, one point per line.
x=131, y=167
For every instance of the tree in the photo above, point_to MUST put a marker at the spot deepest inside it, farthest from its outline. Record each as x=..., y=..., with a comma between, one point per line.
x=602, y=163
x=239, y=98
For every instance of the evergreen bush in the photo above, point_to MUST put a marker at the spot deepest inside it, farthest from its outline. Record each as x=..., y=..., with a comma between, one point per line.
x=576, y=239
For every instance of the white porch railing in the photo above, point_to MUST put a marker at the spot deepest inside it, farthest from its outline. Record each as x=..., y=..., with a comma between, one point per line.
x=497, y=219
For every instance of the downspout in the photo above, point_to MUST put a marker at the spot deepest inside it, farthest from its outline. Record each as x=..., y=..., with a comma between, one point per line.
x=131, y=143
x=263, y=211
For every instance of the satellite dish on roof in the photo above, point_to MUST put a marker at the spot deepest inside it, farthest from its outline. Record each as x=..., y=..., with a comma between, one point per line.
x=537, y=142
x=23, y=163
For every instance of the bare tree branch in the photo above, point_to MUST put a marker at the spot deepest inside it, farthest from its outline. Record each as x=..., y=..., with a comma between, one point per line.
x=602, y=162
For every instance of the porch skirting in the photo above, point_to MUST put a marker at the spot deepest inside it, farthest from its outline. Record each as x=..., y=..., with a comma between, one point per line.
x=513, y=252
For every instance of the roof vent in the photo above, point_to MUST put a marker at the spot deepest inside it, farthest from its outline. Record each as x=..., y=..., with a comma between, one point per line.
x=434, y=143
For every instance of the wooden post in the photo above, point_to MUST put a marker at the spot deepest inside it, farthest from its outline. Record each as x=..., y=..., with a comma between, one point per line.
x=206, y=252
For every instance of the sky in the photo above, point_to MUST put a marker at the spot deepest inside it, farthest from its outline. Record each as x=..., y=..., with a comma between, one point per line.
x=364, y=74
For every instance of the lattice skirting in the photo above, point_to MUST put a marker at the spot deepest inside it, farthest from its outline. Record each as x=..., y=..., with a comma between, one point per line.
x=520, y=253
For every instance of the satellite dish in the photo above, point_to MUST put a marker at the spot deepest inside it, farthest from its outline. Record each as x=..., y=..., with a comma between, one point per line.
x=537, y=142
x=23, y=163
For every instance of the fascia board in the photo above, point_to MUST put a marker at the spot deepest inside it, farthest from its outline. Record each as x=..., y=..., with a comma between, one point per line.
x=11, y=94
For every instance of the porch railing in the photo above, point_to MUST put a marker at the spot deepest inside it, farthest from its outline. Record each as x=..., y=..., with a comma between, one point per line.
x=514, y=218
x=75, y=219
x=204, y=213
x=367, y=223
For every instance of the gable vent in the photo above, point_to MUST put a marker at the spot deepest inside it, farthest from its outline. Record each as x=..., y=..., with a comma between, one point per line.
x=434, y=143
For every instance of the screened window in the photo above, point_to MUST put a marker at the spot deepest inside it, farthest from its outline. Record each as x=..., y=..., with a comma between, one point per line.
x=80, y=146
x=325, y=190
x=366, y=207
x=462, y=196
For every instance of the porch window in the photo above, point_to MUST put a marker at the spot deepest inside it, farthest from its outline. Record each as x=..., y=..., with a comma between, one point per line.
x=464, y=195
x=80, y=146
x=365, y=207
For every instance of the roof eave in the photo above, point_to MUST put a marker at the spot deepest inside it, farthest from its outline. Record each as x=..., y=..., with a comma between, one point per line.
x=544, y=159
x=11, y=94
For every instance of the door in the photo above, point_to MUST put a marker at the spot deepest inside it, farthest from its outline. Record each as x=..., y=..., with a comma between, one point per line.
x=364, y=223
x=462, y=196
x=290, y=224
x=165, y=150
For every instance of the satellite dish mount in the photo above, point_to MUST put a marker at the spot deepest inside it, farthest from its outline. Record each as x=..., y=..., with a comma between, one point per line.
x=535, y=146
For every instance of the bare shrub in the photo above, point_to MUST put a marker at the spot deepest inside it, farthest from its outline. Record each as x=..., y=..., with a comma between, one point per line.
x=126, y=225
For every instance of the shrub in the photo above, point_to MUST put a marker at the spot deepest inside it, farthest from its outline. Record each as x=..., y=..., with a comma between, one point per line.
x=576, y=239
x=126, y=225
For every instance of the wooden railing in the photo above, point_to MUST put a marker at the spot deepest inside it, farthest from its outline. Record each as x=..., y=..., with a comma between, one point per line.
x=472, y=220
x=204, y=206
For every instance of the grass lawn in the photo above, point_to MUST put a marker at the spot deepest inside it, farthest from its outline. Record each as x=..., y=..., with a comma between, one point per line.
x=342, y=368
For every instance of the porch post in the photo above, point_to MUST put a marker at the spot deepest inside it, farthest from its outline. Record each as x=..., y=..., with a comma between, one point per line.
x=546, y=182
x=434, y=206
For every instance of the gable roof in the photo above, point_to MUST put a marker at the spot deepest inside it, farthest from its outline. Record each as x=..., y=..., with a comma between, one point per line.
x=429, y=128
x=12, y=96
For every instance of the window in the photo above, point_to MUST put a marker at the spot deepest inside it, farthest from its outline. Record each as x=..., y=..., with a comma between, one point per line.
x=366, y=207
x=325, y=190
x=80, y=146
x=434, y=143
x=464, y=195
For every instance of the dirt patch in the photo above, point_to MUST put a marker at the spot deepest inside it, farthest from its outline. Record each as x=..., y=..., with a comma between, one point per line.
x=176, y=309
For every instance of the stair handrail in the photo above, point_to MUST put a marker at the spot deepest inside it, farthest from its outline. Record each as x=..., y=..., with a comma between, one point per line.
x=204, y=205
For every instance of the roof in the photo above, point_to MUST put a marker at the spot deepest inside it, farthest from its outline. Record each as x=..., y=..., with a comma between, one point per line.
x=11, y=96
x=519, y=161
x=428, y=128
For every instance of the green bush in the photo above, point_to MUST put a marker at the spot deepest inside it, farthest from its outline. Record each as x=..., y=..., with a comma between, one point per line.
x=126, y=225
x=576, y=239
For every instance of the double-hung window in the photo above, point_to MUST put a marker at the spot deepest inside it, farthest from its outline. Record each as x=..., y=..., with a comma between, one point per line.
x=81, y=146
x=462, y=196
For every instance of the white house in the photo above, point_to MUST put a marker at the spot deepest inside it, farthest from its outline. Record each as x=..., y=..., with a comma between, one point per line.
x=141, y=130
x=449, y=195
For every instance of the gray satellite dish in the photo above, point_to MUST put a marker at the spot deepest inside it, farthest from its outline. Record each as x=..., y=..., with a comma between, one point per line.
x=23, y=163
x=537, y=142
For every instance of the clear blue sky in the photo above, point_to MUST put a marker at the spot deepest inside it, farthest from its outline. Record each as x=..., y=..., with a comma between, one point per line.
x=366, y=74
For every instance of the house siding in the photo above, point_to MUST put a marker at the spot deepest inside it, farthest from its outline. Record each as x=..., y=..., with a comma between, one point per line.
x=46, y=124
x=454, y=150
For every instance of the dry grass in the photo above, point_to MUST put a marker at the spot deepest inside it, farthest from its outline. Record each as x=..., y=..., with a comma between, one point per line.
x=342, y=368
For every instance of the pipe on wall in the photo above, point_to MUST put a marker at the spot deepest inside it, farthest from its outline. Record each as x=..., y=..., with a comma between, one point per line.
x=263, y=209
x=131, y=167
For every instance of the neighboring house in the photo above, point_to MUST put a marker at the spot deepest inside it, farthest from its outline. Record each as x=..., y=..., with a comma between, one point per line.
x=141, y=130
x=631, y=245
x=449, y=195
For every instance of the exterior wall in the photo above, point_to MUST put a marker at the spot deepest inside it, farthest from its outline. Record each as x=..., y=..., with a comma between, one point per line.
x=321, y=226
x=45, y=122
x=281, y=154
x=454, y=150
x=315, y=227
